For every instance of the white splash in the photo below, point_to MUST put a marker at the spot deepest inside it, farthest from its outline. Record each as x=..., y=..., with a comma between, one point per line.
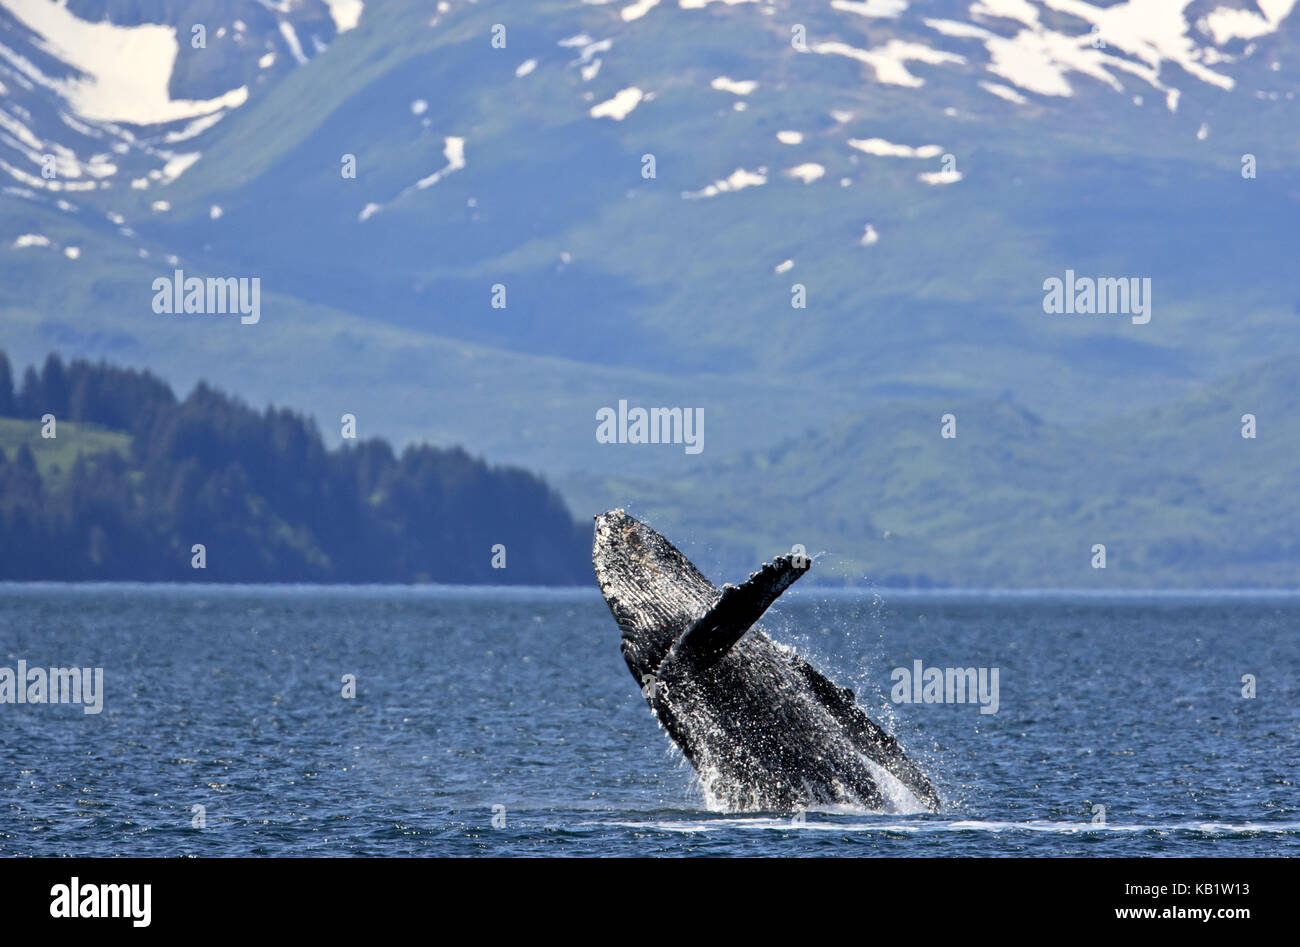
x=707, y=822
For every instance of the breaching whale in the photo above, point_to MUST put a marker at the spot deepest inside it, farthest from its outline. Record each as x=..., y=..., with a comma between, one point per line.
x=763, y=728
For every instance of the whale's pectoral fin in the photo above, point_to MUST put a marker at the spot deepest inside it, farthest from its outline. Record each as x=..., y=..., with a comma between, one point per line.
x=714, y=633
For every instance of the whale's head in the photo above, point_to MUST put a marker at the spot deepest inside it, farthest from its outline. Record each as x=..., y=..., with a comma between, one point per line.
x=652, y=589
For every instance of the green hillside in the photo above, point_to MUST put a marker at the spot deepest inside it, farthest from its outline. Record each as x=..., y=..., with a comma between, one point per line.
x=55, y=456
x=1178, y=497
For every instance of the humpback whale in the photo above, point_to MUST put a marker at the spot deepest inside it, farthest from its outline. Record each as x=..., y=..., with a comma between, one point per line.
x=762, y=727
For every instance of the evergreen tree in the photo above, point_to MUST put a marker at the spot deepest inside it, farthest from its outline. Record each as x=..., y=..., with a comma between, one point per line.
x=54, y=388
x=7, y=405
x=31, y=397
x=262, y=493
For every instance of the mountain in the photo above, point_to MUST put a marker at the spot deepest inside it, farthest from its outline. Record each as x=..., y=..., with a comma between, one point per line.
x=105, y=475
x=1176, y=494
x=917, y=171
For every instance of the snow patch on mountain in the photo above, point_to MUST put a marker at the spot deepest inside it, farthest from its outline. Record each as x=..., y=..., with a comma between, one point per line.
x=1140, y=38
x=807, y=172
x=176, y=166
x=453, y=150
x=885, y=149
x=634, y=11
x=620, y=106
x=871, y=8
x=735, y=87
x=701, y=4
x=890, y=61
x=125, y=70
x=738, y=180
x=345, y=13
x=1004, y=92
x=291, y=40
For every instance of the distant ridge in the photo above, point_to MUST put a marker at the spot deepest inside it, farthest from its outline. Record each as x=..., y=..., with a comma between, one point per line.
x=1176, y=494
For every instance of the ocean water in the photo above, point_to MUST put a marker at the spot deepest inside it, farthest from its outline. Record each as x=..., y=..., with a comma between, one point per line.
x=504, y=722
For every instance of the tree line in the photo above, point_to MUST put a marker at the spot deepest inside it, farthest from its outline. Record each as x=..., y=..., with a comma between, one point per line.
x=259, y=491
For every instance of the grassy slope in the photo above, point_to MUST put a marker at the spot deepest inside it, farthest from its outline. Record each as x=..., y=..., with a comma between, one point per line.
x=1179, y=498
x=56, y=455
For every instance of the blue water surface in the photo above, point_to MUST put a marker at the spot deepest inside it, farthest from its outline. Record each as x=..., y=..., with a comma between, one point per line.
x=504, y=722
